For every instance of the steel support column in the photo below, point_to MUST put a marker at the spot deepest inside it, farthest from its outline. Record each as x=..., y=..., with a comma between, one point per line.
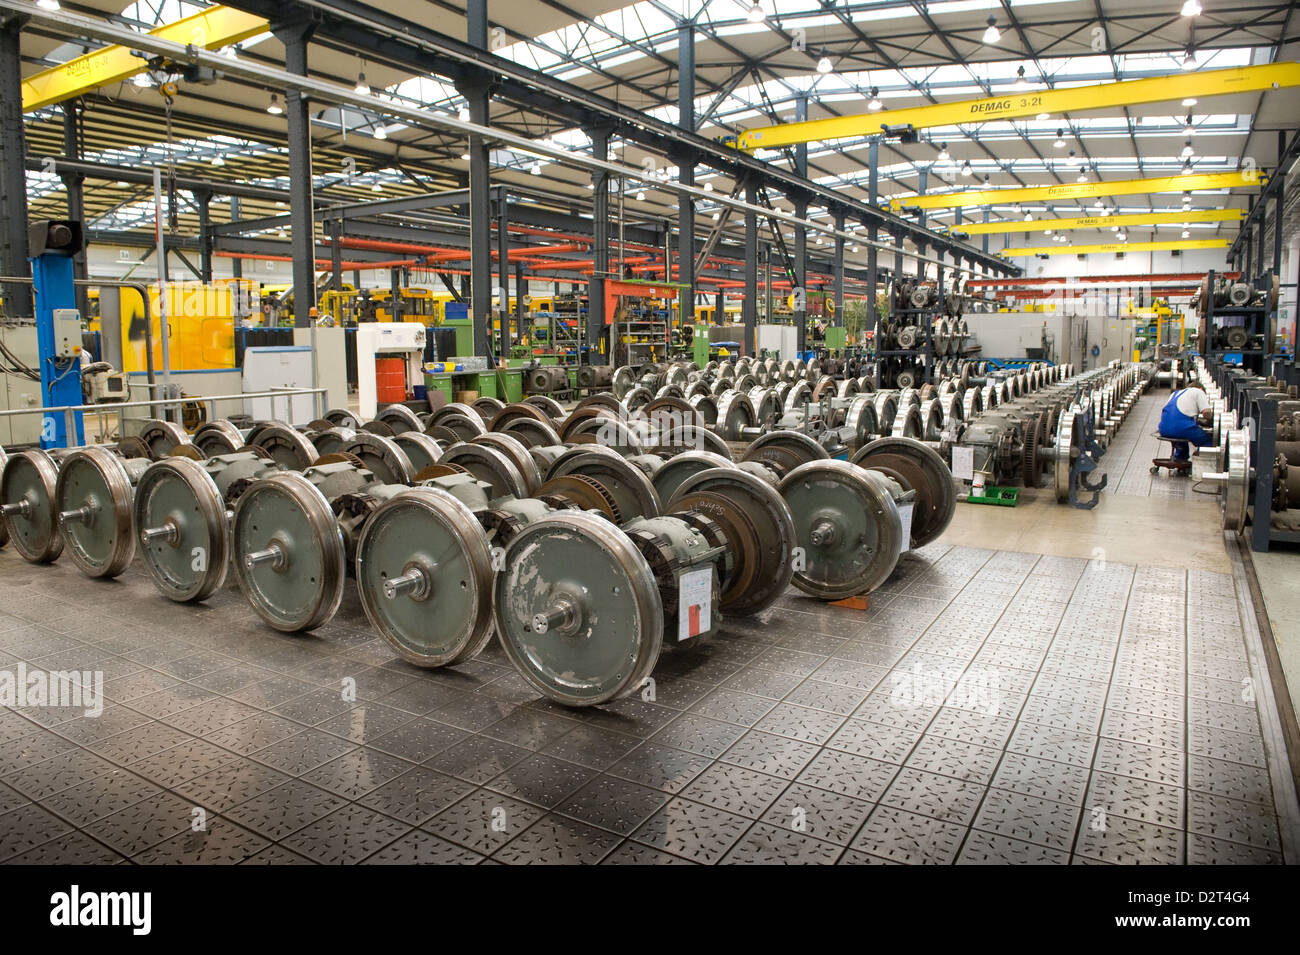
x=799, y=280
x=72, y=184
x=749, y=310
x=596, y=317
x=503, y=276
x=13, y=176
x=838, y=272
x=873, y=197
x=236, y=265
x=302, y=228
x=204, y=200
x=685, y=170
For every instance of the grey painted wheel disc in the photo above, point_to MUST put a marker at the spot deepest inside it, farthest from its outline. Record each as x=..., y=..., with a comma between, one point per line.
x=420, y=449
x=443, y=614
x=95, y=490
x=608, y=640
x=301, y=588
x=177, y=495
x=382, y=457
x=30, y=478
x=682, y=466
x=848, y=526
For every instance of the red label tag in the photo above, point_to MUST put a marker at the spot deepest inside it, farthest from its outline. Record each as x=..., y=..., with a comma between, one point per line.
x=694, y=613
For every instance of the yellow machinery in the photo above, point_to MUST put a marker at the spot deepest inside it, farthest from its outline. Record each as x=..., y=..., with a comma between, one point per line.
x=418, y=305
x=201, y=319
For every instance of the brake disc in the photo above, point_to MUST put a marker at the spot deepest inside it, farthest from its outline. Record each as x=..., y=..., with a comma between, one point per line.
x=383, y=456
x=517, y=452
x=735, y=413
x=217, y=437
x=161, y=436
x=759, y=530
x=627, y=483
x=180, y=523
x=1030, y=464
x=783, y=451
x=92, y=498
x=424, y=576
x=682, y=466
x=490, y=464
x=577, y=491
x=27, y=495
x=848, y=527
x=918, y=467
x=400, y=418
x=287, y=446
x=289, y=552
x=420, y=449
x=577, y=610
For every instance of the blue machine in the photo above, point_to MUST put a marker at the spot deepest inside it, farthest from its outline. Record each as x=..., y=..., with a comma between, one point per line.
x=52, y=244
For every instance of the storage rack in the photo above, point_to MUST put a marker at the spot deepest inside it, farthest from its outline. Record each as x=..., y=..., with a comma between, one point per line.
x=1254, y=318
x=1248, y=400
x=922, y=357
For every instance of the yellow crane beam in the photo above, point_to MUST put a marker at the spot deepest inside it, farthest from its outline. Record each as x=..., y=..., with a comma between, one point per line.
x=1098, y=222
x=1200, y=84
x=1058, y=249
x=1189, y=182
x=211, y=29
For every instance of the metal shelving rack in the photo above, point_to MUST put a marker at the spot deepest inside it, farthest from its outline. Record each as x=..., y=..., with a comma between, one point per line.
x=1256, y=321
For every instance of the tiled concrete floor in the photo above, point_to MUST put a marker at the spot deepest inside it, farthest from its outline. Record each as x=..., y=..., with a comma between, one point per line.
x=992, y=706
x=1128, y=458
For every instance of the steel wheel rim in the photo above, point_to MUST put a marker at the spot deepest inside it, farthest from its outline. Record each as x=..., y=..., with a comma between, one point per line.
x=179, y=493
x=862, y=548
x=446, y=618
x=32, y=476
x=288, y=511
x=101, y=545
x=607, y=656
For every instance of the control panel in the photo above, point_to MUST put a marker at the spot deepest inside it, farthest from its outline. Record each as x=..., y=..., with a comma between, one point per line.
x=67, y=333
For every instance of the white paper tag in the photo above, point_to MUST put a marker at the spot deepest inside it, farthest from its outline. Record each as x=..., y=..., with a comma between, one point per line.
x=694, y=595
x=905, y=518
x=963, y=463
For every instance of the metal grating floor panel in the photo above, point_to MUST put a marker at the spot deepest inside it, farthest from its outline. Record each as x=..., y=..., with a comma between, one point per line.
x=989, y=707
x=1128, y=458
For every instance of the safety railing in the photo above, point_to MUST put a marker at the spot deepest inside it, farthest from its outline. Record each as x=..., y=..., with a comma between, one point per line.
x=102, y=412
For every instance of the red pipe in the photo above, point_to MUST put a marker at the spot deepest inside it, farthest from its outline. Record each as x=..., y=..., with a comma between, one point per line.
x=1138, y=278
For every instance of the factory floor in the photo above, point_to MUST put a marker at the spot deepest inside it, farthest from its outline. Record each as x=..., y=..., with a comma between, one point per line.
x=1041, y=685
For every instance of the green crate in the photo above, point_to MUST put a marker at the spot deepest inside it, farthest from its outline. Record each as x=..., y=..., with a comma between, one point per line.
x=997, y=496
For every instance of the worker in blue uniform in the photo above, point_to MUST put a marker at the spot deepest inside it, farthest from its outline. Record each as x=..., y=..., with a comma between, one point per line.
x=1184, y=414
